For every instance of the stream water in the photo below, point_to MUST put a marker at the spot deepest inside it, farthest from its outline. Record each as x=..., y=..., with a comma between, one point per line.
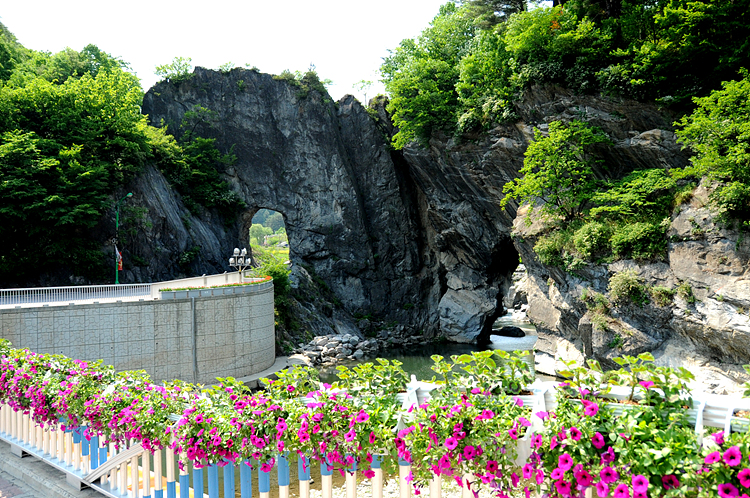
x=417, y=360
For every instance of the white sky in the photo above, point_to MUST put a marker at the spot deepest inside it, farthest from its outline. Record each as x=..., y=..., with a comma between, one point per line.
x=345, y=39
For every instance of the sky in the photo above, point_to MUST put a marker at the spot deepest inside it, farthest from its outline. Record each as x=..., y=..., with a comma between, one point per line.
x=346, y=40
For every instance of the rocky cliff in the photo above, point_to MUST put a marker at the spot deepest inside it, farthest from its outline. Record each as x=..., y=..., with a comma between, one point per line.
x=417, y=237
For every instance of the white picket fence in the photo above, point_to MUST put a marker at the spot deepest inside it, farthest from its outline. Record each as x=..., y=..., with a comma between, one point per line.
x=133, y=472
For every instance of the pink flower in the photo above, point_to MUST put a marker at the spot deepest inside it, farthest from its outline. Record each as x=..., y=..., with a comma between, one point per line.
x=470, y=452
x=451, y=443
x=575, y=434
x=369, y=473
x=513, y=433
x=350, y=436
x=608, y=475
x=621, y=491
x=553, y=443
x=670, y=481
x=744, y=477
x=362, y=416
x=712, y=458
x=640, y=483
x=542, y=415
x=597, y=440
x=565, y=462
x=372, y=437
x=647, y=384
x=728, y=490
x=733, y=456
x=536, y=440
x=563, y=487
x=584, y=478
x=528, y=471
x=556, y=474
x=515, y=479
x=602, y=490
x=718, y=437
x=492, y=466
x=590, y=408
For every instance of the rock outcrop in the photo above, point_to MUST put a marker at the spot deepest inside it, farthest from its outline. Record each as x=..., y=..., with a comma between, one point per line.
x=417, y=237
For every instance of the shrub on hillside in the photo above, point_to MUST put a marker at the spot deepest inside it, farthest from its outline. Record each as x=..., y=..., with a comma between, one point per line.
x=641, y=240
x=591, y=239
x=627, y=286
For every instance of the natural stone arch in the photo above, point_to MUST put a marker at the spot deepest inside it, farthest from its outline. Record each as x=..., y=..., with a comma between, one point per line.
x=392, y=233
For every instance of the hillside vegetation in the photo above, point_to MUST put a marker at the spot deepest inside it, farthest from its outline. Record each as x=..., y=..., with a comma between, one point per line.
x=71, y=136
x=464, y=72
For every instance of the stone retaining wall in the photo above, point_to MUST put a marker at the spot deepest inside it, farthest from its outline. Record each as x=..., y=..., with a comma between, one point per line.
x=222, y=336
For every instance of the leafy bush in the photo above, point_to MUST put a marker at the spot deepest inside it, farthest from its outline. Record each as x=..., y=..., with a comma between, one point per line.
x=551, y=247
x=176, y=71
x=627, y=286
x=559, y=170
x=685, y=292
x=591, y=239
x=662, y=296
x=718, y=132
x=641, y=240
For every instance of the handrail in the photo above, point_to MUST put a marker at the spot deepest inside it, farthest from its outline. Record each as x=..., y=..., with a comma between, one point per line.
x=36, y=296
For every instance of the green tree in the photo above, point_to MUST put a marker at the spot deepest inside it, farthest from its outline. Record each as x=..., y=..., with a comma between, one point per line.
x=718, y=132
x=559, y=170
x=489, y=13
x=275, y=222
x=421, y=76
x=178, y=70
x=258, y=232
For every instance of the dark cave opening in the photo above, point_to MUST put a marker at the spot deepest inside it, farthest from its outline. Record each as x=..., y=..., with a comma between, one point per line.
x=503, y=262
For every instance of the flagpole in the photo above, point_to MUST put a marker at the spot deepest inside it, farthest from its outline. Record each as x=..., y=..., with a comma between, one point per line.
x=118, y=256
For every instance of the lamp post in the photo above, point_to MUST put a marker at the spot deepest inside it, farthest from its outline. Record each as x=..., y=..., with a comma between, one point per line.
x=240, y=261
x=117, y=235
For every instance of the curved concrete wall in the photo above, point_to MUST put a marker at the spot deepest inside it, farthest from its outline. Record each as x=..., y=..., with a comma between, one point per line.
x=194, y=339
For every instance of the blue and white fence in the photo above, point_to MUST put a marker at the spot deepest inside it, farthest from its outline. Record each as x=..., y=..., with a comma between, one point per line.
x=132, y=472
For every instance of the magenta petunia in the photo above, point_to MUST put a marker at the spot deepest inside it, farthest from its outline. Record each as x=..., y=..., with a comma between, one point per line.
x=728, y=490
x=597, y=440
x=372, y=437
x=744, y=477
x=640, y=483
x=557, y=474
x=565, y=462
x=621, y=491
x=647, y=384
x=602, y=490
x=563, y=487
x=608, y=475
x=584, y=478
x=590, y=408
x=470, y=452
x=712, y=458
x=528, y=471
x=362, y=416
x=575, y=434
x=670, y=481
x=492, y=466
x=733, y=456
x=513, y=433
x=451, y=443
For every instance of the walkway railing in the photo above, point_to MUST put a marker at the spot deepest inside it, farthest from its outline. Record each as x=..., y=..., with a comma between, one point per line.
x=80, y=294
x=51, y=295
x=133, y=472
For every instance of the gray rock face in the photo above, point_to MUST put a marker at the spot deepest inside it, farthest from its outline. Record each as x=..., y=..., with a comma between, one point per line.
x=417, y=236
x=710, y=336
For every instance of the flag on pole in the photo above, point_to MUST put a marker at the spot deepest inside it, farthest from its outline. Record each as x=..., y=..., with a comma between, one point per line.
x=119, y=259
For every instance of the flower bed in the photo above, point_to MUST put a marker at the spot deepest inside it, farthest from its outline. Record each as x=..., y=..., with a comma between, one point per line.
x=213, y=290
x=484, y=425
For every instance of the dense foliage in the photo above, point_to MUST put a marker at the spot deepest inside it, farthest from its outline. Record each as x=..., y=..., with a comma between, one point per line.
x=463, y=72
x=71, y=137
x=631, y=432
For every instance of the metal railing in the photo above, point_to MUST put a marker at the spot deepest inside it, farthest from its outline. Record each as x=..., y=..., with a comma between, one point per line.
x=71, y=294
x=81, y=294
